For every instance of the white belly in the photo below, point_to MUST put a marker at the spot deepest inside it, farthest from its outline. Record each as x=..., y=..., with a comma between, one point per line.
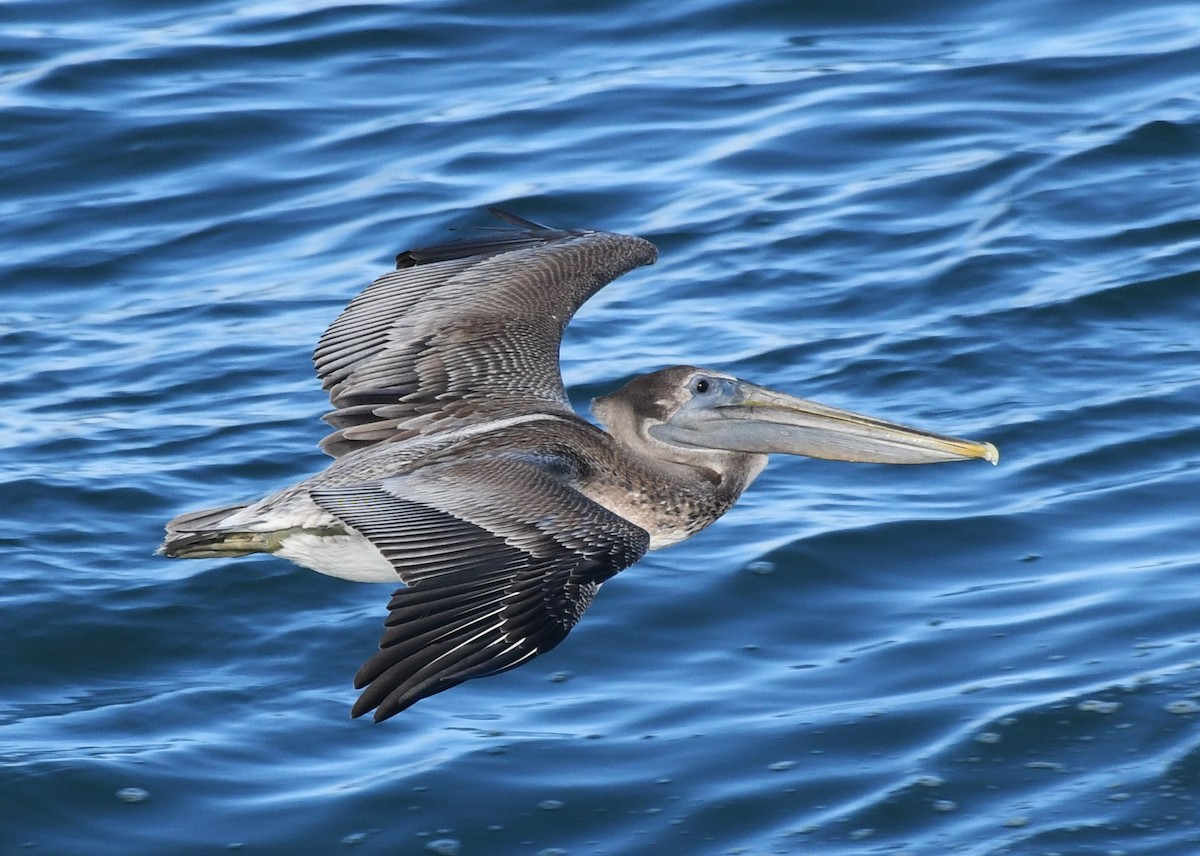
x=349, y=557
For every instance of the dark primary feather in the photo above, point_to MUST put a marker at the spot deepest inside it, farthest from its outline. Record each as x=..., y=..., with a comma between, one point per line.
x=491, y=584
x=496, y=240
x=464, y=331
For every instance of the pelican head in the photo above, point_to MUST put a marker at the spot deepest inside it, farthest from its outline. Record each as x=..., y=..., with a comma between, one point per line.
x=678, y=412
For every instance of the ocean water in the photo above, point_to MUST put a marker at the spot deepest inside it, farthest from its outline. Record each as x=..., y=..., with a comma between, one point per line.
x=981, y=218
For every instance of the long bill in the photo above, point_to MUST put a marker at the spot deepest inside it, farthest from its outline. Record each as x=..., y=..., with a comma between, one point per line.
x=757, y=419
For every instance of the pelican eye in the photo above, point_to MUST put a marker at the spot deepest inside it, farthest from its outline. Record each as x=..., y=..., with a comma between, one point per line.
x=701, y=385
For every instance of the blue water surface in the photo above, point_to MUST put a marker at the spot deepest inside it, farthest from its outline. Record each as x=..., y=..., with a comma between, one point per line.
x=982, y=218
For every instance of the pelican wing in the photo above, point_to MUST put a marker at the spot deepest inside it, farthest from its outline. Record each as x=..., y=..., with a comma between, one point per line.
x=501, y=556
x=464, y=332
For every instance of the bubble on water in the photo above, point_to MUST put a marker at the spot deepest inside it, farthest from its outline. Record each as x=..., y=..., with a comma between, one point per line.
x=987, y=737
x=944, y=805
x=1053, y=766
x=930, y=781
x=1183, y=707
x=550, y=805
x=1095, y=705
x=354, y=838
x=444, y=846
x=780, y=766
x=761, y=567
x=133, y=795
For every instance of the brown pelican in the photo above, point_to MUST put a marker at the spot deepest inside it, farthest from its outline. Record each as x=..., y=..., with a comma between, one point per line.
x=460, y=467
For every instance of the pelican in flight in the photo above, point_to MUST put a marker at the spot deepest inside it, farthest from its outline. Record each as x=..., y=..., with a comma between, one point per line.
x=461, y=470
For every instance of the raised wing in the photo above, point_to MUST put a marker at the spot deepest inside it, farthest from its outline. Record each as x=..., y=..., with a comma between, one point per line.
x=464, y=332
x=501, y=556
